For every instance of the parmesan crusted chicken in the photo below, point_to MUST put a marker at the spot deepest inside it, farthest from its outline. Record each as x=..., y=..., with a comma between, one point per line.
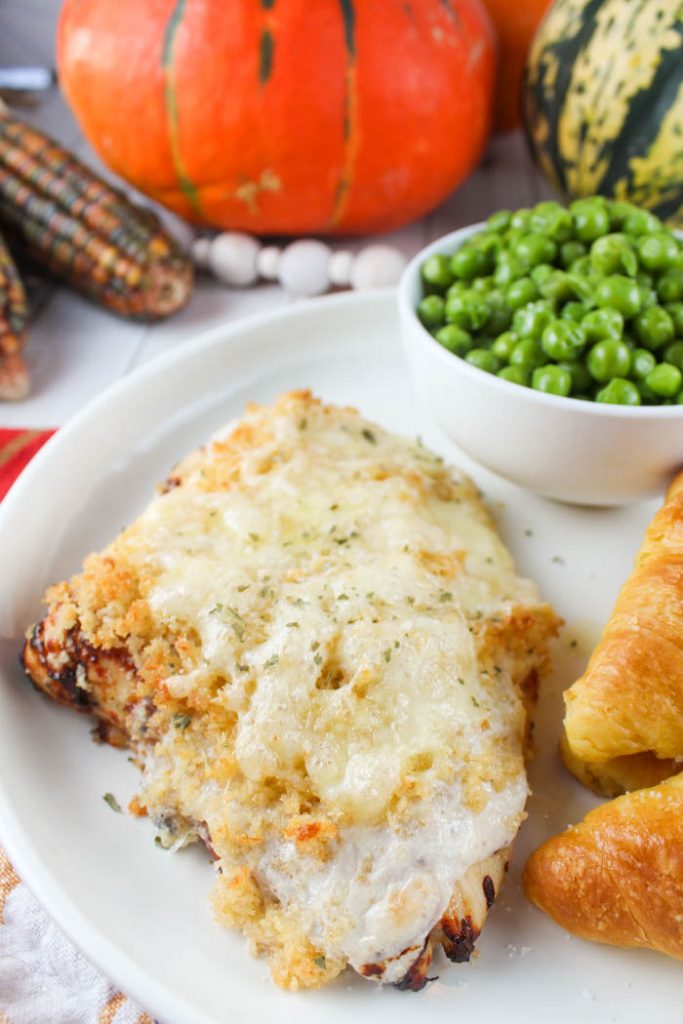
x=318, y=650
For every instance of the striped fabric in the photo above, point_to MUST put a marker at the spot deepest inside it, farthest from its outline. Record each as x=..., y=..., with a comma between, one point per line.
x=43, y=979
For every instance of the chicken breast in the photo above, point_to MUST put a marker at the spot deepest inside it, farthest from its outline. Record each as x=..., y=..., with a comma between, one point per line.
x=319, y=651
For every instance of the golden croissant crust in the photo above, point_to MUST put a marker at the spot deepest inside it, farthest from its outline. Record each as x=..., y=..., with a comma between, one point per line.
x=617, y=877
x=624, y=716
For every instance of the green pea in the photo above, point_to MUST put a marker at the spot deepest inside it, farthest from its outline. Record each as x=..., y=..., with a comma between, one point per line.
x=613, y=253
x=553, y=220
x=500, y=315
x=482, y=284
x=521, y=292
x=570, y=252
x=520, y=220
x=573, y=311
x=640, y=222
x=512, y=236
x=488, y=242
x=508, y=269
x=647, y=395
x=557, y=287
x=670, y=285
x=553, y=380
x=608, y=359
x=583, y=267
x=455, y=339
x=675, y=311
x=619, y=211
x=582, y=287
x=499, y=221
x=674, y=354
x=515, y=374
x=483, y=359
x=648, y=298
x=456, y=308
x=531, y=320
x=469, y=262
x=645, y=280
x=591, y=218
x=642, y=362
x=679, y=398
x=582, y=382
x=603, y=323
x=563, y=339
x=654, y=328
x=467, y=309
x=533, y=249
x=457, y=288
x=619, y=392
x=431, y=310
x=658, y=250
x=541, y=272
x=503, y=345
x=664, y=380
x=436, y=271
x=499, y=321
x=620, y=293
x=528, y=354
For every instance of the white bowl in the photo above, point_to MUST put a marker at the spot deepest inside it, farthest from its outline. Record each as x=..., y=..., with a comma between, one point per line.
x=581, y=452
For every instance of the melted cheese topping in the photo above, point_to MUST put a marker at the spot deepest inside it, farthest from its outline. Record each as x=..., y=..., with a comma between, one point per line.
x=328, y=589
x=384, y=888
x=330, y=595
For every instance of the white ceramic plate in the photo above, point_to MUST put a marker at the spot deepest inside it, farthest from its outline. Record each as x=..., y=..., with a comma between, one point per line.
x=142, y=915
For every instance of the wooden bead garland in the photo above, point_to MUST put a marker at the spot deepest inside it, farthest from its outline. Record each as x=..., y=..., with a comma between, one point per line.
x=304, y=267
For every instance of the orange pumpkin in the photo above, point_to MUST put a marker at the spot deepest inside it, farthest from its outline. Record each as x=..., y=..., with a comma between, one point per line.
x=283, y=116
x=516, y=22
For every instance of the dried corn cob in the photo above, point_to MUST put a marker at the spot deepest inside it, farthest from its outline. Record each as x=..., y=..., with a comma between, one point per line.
x=13, y=327
x=84, y=231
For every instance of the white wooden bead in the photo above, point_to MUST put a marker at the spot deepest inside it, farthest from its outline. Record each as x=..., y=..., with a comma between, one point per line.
x=303, y=268
x=268, y=262
x=200, y=252
x=377, y=266
x=232, y=258
x=339, y=269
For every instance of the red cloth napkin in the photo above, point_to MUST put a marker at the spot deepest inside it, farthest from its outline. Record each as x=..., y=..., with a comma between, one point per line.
x=17, y=448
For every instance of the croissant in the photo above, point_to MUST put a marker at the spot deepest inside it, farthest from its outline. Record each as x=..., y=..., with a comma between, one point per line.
x=617, y=877
x=624, y=717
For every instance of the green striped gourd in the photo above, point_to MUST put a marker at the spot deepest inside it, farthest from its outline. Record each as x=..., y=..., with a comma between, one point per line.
x=604, y=101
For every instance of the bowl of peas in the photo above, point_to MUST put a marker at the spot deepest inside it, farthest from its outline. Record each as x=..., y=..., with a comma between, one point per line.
x=548, y=344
